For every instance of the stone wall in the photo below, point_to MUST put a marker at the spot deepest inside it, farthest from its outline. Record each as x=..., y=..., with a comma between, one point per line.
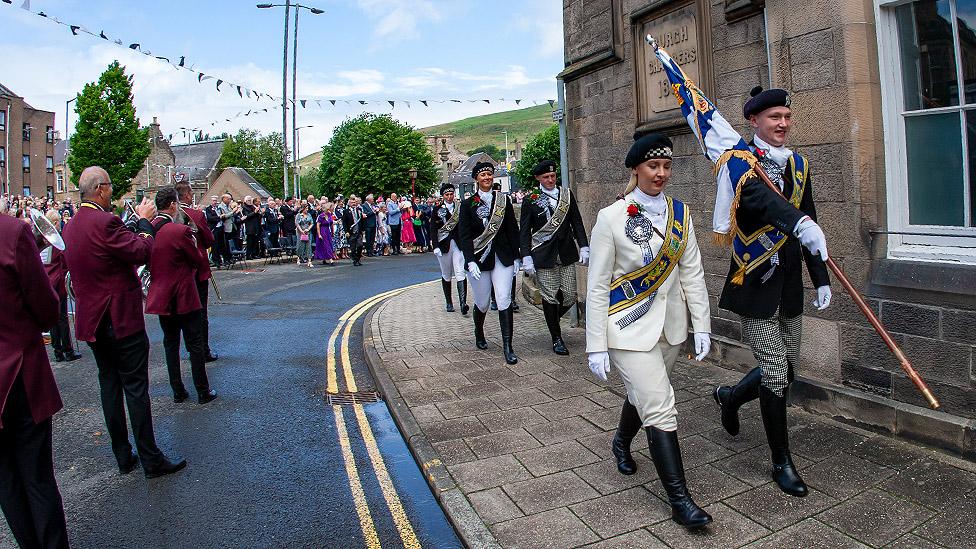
x=825, y=53
x=160, y=156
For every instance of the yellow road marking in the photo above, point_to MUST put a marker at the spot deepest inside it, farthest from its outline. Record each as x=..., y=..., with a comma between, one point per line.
x=358, y=496
x=400, y=519
x=332, y=385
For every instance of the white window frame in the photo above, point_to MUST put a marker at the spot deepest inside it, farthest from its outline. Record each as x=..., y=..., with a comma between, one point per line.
x=952, y=244
x=59, y=178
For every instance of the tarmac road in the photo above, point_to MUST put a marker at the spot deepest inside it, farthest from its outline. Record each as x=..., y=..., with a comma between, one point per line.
x=271, y=462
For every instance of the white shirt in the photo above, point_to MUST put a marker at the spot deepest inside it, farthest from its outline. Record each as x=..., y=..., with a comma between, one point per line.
x=655, y=207
x=773, y=159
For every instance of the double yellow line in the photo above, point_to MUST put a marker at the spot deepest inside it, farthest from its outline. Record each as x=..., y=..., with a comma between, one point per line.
x=399, y=515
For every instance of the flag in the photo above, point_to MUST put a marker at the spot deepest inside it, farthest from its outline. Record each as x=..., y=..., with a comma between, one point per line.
x=719, y=142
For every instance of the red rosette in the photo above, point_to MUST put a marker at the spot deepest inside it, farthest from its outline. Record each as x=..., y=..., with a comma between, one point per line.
x=632, y=210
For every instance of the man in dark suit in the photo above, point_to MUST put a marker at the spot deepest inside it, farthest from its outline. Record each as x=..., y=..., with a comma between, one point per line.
x=553, y=239
x=175, y=263
x=765, y=284
x=352, y=221
x=29, y=493
x=102, y=257
x=252, y=226
x=205, y=239
x=213, y=222
x=288, y=213
x=272, y=223
x=369, y=219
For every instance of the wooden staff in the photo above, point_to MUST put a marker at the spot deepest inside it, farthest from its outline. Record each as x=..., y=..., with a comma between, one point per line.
x=906, y=365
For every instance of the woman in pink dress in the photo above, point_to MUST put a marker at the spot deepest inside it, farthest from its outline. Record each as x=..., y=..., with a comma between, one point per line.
x=407, y=236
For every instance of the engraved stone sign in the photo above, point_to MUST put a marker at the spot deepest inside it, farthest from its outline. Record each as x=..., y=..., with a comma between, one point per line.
x=678, y=32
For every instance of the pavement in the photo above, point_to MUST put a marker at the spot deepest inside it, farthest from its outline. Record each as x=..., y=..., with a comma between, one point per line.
x=519, y=456
x=274, y=461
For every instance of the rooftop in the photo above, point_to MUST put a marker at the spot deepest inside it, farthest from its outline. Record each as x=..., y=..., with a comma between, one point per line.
x=198, y=158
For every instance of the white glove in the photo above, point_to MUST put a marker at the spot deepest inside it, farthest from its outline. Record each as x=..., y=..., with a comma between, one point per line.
x=584, y=255
x=528, y=265
x=437, y=251
x=823, y=298
x=474, y=270
x=703, y=344
x=812, y=237
x=517, y=264
x=599, y=364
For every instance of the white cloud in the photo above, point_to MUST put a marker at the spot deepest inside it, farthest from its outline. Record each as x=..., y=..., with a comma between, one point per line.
x=399, y=19
x=544, y=20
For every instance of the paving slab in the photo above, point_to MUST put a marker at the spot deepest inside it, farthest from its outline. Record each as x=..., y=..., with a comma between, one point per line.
x=527, y=451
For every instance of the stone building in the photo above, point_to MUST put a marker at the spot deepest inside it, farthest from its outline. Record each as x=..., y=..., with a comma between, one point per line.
x=27, y=138
x=168, y=164
x=157, y=170
x=881, y=92
x=236, y=182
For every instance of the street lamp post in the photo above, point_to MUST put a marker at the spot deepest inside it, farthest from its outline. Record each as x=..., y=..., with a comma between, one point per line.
x=298, y=168
x=284, y=85
x=413, y=183
x=66, y=111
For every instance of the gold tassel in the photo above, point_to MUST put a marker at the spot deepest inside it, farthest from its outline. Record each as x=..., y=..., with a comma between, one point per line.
x=740, y=276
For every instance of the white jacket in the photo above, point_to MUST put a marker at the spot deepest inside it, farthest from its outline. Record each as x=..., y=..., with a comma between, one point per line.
x=612, y=255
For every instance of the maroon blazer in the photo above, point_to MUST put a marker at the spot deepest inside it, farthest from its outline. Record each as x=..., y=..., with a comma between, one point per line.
x=102, y=257
x=56, y=271
x=30, y=306
x=174, y=266
x=205, y=239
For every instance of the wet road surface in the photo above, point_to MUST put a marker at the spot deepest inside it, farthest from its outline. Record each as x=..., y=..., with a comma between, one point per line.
x=272, y=463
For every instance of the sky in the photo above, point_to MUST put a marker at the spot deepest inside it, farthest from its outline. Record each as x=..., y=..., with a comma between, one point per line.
x=371, y=50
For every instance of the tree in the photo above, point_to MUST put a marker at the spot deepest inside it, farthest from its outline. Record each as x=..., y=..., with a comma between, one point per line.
x=544, y=146
x=259, y=155
x=107, y=132
x=373, y=153
x=332, y=152
x=491, y=150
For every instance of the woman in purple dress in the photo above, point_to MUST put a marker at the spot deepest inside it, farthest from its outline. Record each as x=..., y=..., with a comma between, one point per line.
x=323, y=235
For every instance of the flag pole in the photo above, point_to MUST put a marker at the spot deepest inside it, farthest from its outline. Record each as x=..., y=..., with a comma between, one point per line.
x=906, y=365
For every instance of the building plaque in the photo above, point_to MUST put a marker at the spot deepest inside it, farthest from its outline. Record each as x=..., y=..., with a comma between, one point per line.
x=677, y=28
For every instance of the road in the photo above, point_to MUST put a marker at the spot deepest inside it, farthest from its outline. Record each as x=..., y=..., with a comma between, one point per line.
x=272, y=462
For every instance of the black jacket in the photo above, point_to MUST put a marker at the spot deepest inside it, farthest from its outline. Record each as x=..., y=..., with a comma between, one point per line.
x=347, y=224
x=213, y=219
x=439, y=219
x=288, y=223
x=564, y=245
x=369, y=216
x=252, y=219
x=760, y=206
x=506, y=242
x=271, y=223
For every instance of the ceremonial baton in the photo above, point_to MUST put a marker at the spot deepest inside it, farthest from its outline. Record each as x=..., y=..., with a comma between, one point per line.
x=906, y=365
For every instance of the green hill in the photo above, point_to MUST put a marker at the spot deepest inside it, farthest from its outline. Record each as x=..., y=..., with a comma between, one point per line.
x=470, y=133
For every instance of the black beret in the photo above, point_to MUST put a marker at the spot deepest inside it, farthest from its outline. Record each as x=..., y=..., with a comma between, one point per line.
x=762, y=100
x=648, y=145
x=448, y=187
x=544, y=167
x=482, y=167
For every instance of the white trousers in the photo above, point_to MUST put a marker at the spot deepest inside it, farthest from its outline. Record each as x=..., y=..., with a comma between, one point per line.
x=499, y=279
x=452, y=264
x=646, y=377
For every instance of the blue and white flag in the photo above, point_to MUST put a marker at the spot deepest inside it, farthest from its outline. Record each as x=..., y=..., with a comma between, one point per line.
x=718, y=139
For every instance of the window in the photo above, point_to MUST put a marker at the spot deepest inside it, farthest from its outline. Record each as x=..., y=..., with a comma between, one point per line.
x=50, y=193
x=3, y=157
x=49, y=166
x=27, y=130
x=26, y=190
x=26, y=163
x=49, y=134
x=927, y=54
x=3, y=121
x=60, y=181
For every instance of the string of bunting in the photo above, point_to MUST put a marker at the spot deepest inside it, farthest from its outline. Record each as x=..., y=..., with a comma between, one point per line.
x=244, y=91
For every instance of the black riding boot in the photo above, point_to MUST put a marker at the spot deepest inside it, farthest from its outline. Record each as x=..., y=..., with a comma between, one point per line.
x=731, y=398
x=774, y=419
x=506, y=321
x=667, y=460
x=446, y=286
x=627, y=429
x=479, y=328
x=463, y=296
x=551, y=312
x=515, y=305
